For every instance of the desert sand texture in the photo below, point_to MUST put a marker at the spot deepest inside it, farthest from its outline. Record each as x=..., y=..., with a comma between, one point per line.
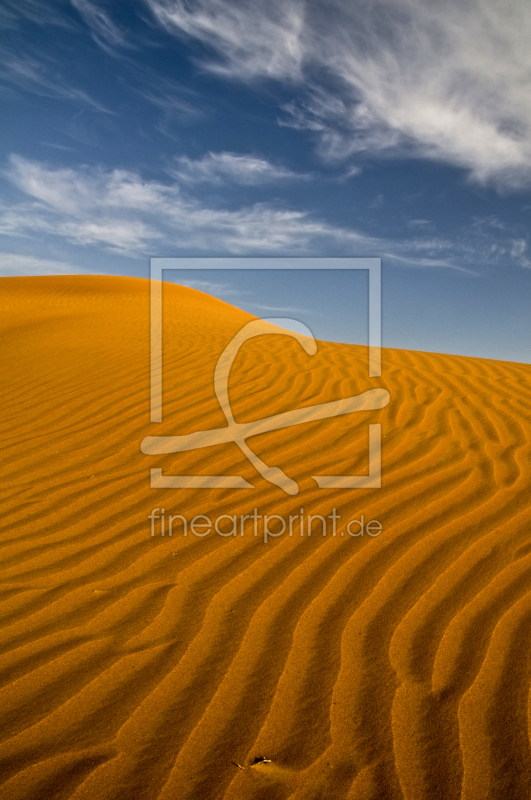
x=312, y=667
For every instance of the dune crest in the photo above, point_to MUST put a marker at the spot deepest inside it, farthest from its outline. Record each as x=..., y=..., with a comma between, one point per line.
x=312, y=662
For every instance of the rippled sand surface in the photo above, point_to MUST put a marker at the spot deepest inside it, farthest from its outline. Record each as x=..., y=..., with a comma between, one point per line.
x=140, y=667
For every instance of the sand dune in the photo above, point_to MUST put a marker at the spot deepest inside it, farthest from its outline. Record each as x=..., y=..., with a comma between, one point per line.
x=345, y=667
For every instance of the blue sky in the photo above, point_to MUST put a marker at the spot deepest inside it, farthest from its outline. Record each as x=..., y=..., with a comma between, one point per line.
x=391, y=128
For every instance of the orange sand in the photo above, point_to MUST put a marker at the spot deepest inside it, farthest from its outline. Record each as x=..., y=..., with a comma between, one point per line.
x=138, y=667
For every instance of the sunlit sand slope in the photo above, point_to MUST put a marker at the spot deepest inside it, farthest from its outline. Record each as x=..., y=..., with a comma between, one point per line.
x=138, y=666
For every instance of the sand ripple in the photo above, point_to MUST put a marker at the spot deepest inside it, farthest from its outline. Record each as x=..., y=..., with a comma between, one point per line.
x=347, y=668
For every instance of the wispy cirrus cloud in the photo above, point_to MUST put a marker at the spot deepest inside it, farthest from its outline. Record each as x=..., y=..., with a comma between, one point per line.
x=220, y=168
x=127, y=214
x=104, y=31
x=27, y=64
x=12, y=12
x=171, y=99
x=213, y=287
x=446, y=80
x=121, y=212
x=279, y=309
x=31, y=75
x=245, y=297
x=482, y=243
x=260, y=39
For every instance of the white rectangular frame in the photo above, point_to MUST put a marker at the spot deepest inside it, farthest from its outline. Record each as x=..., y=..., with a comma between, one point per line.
x=159, y=264
x=373, y=265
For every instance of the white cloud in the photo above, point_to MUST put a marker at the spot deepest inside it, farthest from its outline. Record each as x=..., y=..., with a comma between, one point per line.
x=351, y=172
x=219, y=168
x=425, y=262
x=263, y=38
x=243, y=296
x=419, y=223
x=12, y=264
x=218, y=289
x=519, y=250
x=31, y=75
x=167, y=97
x=49, y=13
x=119, y=210
x=447, y=79
x=103, y=29
x=283, y=309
